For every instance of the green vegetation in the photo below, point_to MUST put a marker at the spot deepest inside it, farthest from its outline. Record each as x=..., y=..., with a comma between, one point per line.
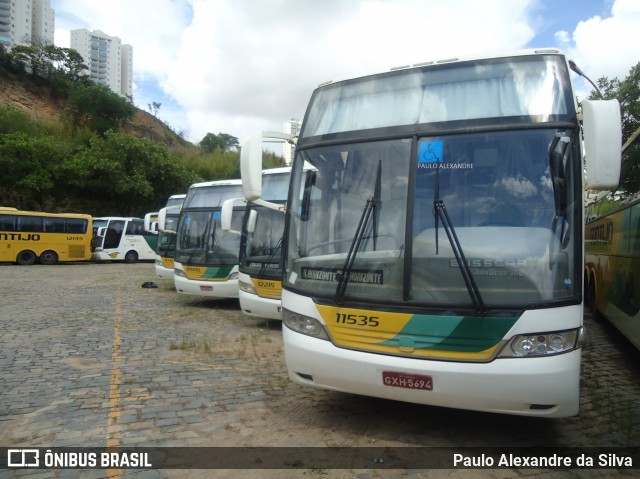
x=95, y=159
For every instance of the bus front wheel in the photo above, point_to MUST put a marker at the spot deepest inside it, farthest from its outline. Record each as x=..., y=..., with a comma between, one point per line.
x=131, y=257
x=48, y=257
x=26, y=257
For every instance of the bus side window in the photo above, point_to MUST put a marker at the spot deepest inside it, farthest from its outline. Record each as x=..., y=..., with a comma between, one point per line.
x=53, y=225
x=30, y=224
x=76, y=226
x=7, y=223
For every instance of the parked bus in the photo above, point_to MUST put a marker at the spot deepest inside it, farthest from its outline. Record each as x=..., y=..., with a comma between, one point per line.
x=166, y=249
x=123, y=239
x=612, y=266
x=175, y=200
x=206, y=258
x=260, y=261
x=435, y=255
x=28, y=236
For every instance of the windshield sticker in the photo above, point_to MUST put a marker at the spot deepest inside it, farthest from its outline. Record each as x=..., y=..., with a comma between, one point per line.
x=431, y=156
x=332, y=275
x=430, y=152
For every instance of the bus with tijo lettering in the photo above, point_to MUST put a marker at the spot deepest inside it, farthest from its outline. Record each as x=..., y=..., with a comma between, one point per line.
x=260, y=261
x=166, y=247
x=206, y=257
x=125, y=239
x=612, y=267
x=48, y=238
x=435, y=254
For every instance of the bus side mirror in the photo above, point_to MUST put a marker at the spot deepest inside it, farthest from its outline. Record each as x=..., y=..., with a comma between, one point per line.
x=149, y=219
x=162, y=217
x=101, y=232
x=602, y=129
x=226, y=214
x=251, y=221
x=251, y=164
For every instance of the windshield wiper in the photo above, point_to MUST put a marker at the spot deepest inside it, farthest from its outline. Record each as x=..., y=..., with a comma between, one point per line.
x=369, y=207
x=215, y=246
x=440, y=214
x=269, y=259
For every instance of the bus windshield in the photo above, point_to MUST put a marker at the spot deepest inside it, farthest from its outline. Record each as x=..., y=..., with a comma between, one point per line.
x=260, y=254
x=200, y=238
x=367, y=222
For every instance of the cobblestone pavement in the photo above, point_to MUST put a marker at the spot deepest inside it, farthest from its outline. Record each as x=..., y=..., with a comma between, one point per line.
x=89, y=358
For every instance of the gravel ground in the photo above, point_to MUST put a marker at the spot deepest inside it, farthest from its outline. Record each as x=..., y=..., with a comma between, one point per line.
x=89, y=358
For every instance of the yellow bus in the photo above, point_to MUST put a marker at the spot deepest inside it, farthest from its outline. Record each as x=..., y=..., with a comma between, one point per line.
x=28, y=236
x=612, y=268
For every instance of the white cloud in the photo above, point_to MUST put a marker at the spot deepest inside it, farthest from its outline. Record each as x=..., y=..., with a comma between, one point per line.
x=608, y=46
x=235, y=66
x=246, y=65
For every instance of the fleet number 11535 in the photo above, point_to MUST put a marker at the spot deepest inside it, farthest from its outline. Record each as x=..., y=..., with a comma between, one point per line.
x=358, y=319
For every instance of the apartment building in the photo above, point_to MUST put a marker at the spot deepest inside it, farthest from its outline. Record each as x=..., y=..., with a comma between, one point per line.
x=24, y=21
x=110, y=62
x=288, y=150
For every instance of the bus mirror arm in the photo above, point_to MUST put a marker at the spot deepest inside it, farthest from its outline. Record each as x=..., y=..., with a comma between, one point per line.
x=272, y=206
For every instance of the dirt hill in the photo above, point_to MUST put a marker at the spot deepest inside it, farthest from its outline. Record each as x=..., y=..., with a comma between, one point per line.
x=37, y=101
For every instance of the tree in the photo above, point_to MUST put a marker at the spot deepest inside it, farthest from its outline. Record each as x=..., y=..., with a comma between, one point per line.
x=627, y=92
x=154, y=107
x=95, y=106
x=222, y=141
x=123, y=175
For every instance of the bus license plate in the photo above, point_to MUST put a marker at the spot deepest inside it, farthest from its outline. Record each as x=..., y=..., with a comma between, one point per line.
x=206, y=288
x=408, y=381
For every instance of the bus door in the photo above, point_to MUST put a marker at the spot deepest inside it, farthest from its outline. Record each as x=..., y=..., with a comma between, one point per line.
x=113, y=234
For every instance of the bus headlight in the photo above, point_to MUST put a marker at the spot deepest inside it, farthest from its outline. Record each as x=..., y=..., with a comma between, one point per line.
x=246, y=287
x=543, y=344
x=233, y=275
x=304, y=324
x=180, y=273
x=159, y=262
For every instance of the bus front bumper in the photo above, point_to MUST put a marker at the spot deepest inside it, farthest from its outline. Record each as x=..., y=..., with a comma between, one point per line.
x=212, y=289
x=257, y=306
x=541, y=386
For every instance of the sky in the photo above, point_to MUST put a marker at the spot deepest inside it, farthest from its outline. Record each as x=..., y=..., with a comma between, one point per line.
x=239, y=66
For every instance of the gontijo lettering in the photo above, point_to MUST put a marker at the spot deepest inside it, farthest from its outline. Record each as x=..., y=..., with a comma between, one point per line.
x=19, y=237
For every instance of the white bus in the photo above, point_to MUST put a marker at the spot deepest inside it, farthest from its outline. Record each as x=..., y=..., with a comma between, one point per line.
x=206, y=257
x=436, y=254
x=166, y=247
x=260, y=261
x=122, y=239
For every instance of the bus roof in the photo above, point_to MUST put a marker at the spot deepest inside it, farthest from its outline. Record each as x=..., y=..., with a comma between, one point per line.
x=15, y=211
x=487, y=56
x=216, y=183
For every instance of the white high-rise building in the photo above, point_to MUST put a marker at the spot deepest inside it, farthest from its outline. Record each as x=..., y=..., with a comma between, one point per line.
x=24, y=21
x=110, y=63
x=288, y=150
